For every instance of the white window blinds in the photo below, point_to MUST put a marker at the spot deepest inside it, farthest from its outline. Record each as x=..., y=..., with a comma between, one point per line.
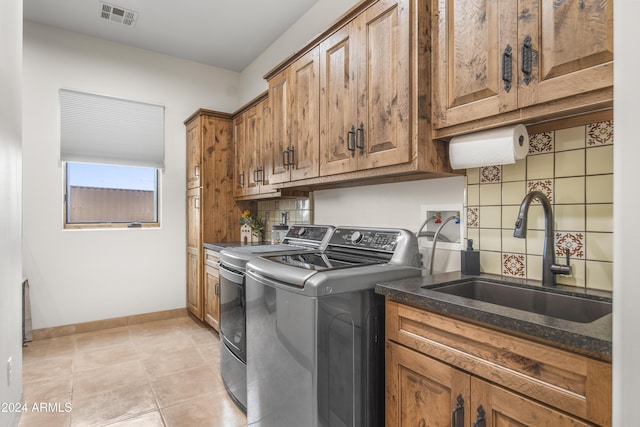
x=101, y=129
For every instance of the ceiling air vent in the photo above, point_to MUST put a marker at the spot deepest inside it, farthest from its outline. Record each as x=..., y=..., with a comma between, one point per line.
x=118, y=14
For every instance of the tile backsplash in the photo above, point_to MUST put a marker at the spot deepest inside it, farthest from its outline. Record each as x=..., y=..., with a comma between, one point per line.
x=298, y=211
x=574, y=167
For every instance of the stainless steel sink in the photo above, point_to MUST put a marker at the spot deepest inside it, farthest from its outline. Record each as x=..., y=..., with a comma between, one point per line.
x=561, y=306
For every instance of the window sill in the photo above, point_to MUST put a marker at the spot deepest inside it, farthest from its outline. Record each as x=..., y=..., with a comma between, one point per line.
x=110, y=226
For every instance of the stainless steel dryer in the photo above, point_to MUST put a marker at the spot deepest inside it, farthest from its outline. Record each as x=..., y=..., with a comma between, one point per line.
x=300, y=238
x=315, y=329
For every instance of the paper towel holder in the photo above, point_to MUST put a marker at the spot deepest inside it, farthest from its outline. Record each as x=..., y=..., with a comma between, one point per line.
x=491, y=147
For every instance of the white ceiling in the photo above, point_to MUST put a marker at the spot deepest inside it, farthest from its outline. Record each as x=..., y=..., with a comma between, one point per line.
x=224, y=33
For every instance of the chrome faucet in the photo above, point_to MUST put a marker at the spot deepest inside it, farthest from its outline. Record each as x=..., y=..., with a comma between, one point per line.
x=549, y=268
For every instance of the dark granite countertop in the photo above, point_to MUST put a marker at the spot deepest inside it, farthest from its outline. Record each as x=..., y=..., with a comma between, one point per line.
x=217, y=246
x=593, y=338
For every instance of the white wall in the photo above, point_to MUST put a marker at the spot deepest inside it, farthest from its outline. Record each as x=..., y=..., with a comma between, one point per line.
x=311, y=24
x=10, y=206
x=396, y=205
x=626, y=317
x=85, y=275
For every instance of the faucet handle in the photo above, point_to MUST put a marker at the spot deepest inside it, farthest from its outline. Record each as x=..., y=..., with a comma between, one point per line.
x=562, y=268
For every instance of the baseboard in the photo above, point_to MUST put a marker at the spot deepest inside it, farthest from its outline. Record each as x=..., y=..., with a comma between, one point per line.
x=99, y=325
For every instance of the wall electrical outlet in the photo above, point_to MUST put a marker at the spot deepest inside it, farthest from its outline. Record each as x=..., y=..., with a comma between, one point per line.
x=9, y=370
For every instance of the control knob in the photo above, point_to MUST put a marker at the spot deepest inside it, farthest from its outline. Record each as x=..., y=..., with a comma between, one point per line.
x=356, y=237
x=302, y=231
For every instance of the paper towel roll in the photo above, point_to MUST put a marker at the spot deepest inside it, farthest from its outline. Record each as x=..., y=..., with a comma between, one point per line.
x=489, y=148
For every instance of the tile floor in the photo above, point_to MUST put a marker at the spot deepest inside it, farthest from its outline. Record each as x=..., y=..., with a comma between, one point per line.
x=163, y=373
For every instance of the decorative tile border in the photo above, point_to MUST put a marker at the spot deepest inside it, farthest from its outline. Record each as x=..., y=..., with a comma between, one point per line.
x=514, y=265
x=545, y=186
x=473, y=217
x=490, y=174
x=600, y=133
x=572, y=241
x=541, y=143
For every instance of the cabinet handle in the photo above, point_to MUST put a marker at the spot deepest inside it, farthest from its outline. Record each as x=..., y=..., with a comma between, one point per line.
x=351, y=140
x=480, y=420
x=285, y=158
x=196, y=203
x=260, y=174
x=360, y=138
x=255, y=176
x=292, y=157
x=196, y=171
x=242, y=179
x=457, y=416
x=526, y=59
x=217, y=291
x=506, y=68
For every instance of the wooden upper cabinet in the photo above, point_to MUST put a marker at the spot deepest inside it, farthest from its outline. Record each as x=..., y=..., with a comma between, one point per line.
x=252, y=150
x=194, y=154
x=353, y=104
x=338, y=102
x=496, y=56
x=280, y=137
x=265, y=132
x=383, y=84
x=239, y=143
x=571, y=45
x=253, y=145
x=294, y=144
x=364, y=91
x=474, y=44
x=303, y=117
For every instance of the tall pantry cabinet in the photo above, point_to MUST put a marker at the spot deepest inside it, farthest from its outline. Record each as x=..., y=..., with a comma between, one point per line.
x=211, y=211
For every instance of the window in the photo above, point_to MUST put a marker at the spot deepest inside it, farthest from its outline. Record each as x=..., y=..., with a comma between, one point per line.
x=112, y=150
x=110, y=195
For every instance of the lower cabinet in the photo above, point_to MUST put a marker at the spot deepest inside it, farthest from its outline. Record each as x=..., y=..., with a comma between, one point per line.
x=212, y=289
x=422, y=391
x=442, y=371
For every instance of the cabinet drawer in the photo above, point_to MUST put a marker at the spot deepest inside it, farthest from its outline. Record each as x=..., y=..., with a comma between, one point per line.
x=211, y=258
x=568, y=381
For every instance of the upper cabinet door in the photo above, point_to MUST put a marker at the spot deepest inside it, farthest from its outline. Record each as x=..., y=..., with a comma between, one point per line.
x=571, y=45
x=280, y=137
x=239, y=140
x=265, y=143
x=193, y=154
x=383, y=84
x=475, y=60
x=252, y=150
x=338, y=99
x=304, y=102
x=496, y=56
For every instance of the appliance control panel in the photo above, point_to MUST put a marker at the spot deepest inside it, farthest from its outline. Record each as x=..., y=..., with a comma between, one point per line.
x=311, y=233
x=364, y=238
